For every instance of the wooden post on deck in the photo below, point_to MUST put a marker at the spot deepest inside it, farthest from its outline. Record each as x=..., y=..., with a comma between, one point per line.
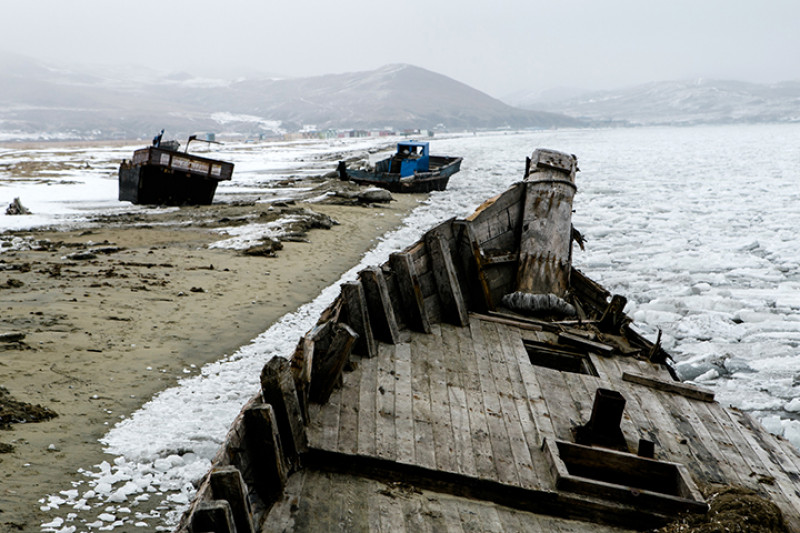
x=278, y=390
x=227, y=484
x=214, y=516
x=545, y=245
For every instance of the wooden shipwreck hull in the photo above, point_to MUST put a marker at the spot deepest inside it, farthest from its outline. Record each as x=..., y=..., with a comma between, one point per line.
x=476, y=381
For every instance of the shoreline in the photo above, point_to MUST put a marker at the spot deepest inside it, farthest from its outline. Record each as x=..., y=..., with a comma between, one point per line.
x=103, y=335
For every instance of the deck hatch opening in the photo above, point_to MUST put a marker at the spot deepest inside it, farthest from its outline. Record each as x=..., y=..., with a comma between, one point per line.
x=623, y=477
x=559, y=359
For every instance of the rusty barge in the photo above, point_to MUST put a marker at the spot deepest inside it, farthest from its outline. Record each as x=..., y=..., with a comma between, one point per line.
x=161, y=175
x=477, y=381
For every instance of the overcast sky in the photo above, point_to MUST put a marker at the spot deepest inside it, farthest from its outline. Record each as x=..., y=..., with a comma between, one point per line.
x=496, y=46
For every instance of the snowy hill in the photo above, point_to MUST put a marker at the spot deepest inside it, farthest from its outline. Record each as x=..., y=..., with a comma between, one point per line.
x=41, y=101
x=676, y=103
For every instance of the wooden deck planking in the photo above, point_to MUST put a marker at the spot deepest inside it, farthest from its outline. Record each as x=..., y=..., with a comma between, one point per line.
x=367, y=406
x=635, y=424
x=489, y=517
x=424, y=447
x=385, y=436
x=729, y=457
x=563, y=415
x=788, y=489
x=280, y=517
x=457, y=380
x=772, y=481
x=330, y=424
x=715, y=467
x=502, y=455
x=415, y=521
x=446, y=356
x=451, y=515
x=533, y=392
x=512, y=344
x=349, y=411
x=508, y=399
x=479, y=429
x=668, y=435
x=392, y=519
x=403, y=404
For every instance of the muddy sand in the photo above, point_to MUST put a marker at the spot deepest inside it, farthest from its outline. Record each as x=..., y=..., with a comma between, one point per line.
x=94, y=322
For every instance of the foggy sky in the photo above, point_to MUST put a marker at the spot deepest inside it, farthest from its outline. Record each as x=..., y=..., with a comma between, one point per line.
x=496, y=46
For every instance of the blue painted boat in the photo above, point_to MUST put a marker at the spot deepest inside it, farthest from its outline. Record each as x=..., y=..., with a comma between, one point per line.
x=411, y=170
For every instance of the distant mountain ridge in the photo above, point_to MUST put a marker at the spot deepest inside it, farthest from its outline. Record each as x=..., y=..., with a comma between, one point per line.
x=37, y=100
x=674, y=103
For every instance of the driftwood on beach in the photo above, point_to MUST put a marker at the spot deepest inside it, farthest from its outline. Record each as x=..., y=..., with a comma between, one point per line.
x=478, y=381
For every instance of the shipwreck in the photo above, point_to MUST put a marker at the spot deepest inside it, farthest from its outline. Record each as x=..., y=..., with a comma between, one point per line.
x=162, y=175
x=477, y=381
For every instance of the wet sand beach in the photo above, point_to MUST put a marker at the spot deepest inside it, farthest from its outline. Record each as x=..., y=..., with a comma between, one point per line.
x=116, y=312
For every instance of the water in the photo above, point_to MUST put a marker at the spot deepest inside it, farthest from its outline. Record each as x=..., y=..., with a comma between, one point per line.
x=695, y=226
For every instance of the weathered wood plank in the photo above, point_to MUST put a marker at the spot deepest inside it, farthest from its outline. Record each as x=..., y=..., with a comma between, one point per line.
x=453, y=304
x=666, y=433
x=540, y=416
x=455, y=378
x=410, y=290
x=491, y=207
x=404, y=414
x=472, y=262
x=347, y=441
x=502, y=454
x=355, y=302
x=563, y=415
x=444, y=355
x=512, y=343
x=381, y=311
x=684, y=389
x=583, y=342
x=481, y=443
x=424, y=453
x=501, y=354
x=385, y=434
x=728, y=458
x=329, y=439
x=761, y=475
x=392, y=518
x=367, y=407
x=281, y=516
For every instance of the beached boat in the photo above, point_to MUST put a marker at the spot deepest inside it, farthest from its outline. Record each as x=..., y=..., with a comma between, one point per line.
x=477, y=381
x=161, y=175
x=411, y=169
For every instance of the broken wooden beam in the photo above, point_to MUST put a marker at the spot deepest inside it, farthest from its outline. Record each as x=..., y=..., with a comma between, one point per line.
x=475, y=261
x=263, y=447
x=614, y=316
x=454, y=308
x=684, y=389
x=381, y=311
x=214, y=516
x=278, y=390
x=328, y=368
x=355, y=302
x=227, y=484
x=410, y=290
